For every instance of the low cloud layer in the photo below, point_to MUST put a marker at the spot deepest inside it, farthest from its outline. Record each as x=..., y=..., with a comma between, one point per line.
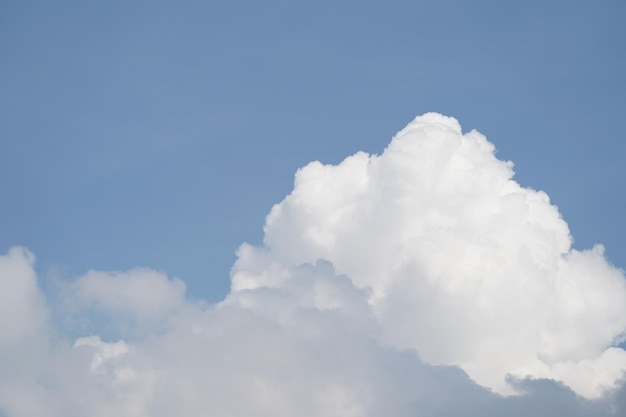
x=422, y=281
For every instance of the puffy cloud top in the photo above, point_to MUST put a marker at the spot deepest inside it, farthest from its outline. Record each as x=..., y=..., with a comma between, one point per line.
x=465, y=266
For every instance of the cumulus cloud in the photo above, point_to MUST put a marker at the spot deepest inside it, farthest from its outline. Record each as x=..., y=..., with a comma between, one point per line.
x=422, y=281
x=466, y=266
x=132, y=303
x=22, y=309
x=140, y=292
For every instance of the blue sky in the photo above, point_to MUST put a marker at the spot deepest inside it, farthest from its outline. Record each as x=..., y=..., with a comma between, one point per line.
x=160, y=134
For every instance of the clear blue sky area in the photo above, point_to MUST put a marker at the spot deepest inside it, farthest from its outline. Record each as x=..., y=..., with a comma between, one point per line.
x=151, y=133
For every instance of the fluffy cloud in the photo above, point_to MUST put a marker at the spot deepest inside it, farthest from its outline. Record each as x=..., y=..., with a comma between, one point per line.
x=24, y=333
x=410, y=283
x=139, y=292
x=466, y=267
x=131, y=304
x=22, y=309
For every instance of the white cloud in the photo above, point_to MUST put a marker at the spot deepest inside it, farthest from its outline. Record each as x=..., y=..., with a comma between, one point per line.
x=22, y=311
x=24, y=333
x=466, y=266
x=141, y=293
x=377, y=278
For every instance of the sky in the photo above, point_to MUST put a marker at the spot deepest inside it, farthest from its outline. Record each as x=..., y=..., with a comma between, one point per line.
x=168, y=240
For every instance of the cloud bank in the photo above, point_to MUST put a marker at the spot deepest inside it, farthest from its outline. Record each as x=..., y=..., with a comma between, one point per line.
x=422, y=281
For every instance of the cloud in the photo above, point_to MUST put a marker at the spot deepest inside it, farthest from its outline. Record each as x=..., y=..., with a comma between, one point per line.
x=413, y=282
x=131, y=304
x=22, y=308
x=140, y=292
x=467, y=267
